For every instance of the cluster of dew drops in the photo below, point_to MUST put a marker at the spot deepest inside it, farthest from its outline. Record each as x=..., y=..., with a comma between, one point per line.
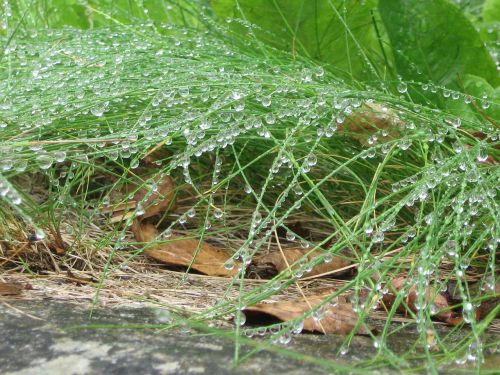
x=109, y=94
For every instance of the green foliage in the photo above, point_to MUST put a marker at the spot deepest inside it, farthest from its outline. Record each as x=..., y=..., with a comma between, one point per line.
x=54, y=13
x=485, y=99
x=491, y=11
x=66, y=13
x=489, y=25
x=99, y=13
x=336, y=32
x=433, y=41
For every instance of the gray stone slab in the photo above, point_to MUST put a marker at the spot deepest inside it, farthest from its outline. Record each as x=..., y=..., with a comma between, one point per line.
x=35, y=339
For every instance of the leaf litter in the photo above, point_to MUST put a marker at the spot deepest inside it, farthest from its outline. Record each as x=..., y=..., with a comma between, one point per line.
x=337, y=317
x=188, y=253
x=295, y=256
x=10, y=289
x=440, y=307
x=211, y=260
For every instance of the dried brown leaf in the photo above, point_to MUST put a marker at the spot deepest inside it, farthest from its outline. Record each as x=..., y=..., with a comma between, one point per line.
x=144, y=232
x=72, y=276
x=293, y=255
x=337, y=319
x=487, y=305
x=119, y=207
x=161, y=200
x=155, y=155
x=440, y=302
x=179, y=252
x=121, y=216
x=10, y=289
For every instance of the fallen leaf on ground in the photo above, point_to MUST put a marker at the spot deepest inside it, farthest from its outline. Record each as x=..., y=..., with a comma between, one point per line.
x=438, y=300
x=119, y=207
x=77, y=279
x=490, y=300
x=486, y=307
x=10, y=289
x=144, y=232
x=336, y=319
x=293, y=255
x=296, y=227
x=210, y=260
x=157, y=154
x=180, y=252
x=160, y=200
x=487, y=296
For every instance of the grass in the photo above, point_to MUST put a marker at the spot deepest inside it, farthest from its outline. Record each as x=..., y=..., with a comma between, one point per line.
x=266, y=138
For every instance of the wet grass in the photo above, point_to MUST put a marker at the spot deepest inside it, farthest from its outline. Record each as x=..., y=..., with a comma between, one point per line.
x=255, y=139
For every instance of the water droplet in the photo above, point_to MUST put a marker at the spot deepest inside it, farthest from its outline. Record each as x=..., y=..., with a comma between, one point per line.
x=257, y=218
x=378, y=237
x=6, y=164
x=229, y=264
x=167, y=233
x=45, y=161
x=482, y=156
x=456, y=122
x=298, y=327
x=184, y=91
x=457, y=147
x=236, y=95
x=134, y=164
x=218, y=213
x=319, y=71
x=328, y=257
x=270, y=118
x=311, y=160
x=285, y=338
x=139, y=210
x=60, y=156
x=242, y=318
x=297, y=189
x=428, y=219
x=344, y=350
x=266, y=101
x=191, y=213
x=20, y=165
x=433, y=309
x=99, y=109
x=39, y=234
x=402, y=87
